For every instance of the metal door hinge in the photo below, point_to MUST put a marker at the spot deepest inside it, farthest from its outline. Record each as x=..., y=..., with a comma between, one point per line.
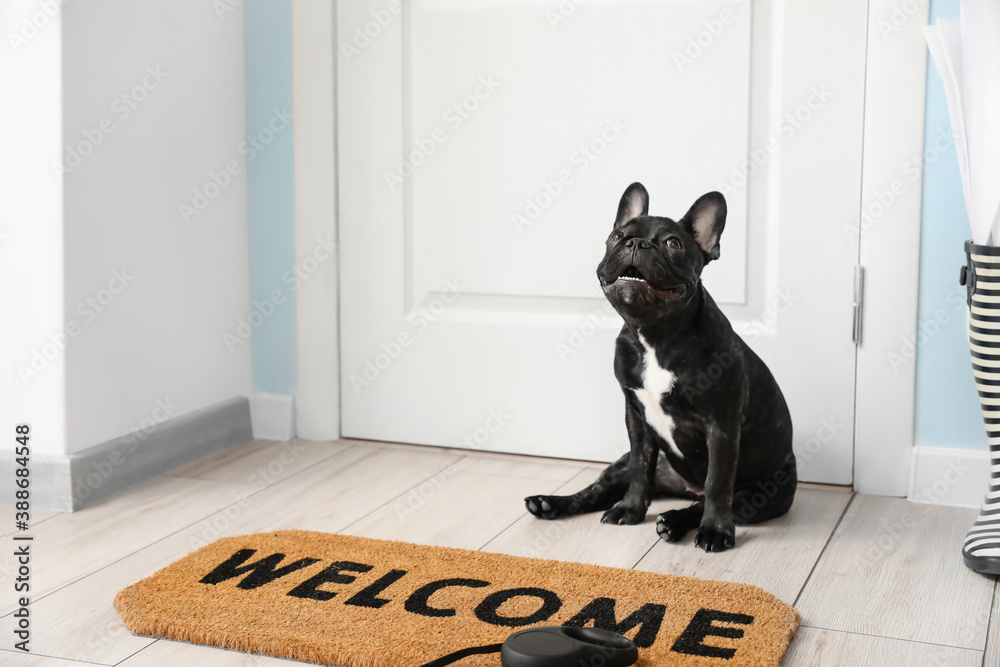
x=859, y=302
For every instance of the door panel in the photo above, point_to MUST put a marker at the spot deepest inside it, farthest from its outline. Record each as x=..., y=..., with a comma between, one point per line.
x=537, y=139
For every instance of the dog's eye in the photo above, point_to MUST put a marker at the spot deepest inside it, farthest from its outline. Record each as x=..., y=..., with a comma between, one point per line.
x=617, y=236
x=674, y=242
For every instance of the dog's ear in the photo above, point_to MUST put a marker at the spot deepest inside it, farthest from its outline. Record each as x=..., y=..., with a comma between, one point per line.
x=635, y=202
x=705, y=221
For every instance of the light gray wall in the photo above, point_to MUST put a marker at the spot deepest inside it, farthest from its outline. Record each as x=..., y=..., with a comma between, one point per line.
x=156, y=268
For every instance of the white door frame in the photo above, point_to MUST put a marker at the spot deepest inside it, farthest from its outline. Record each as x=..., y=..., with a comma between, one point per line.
x=317, y=398
x=890, y=235
x=896, y=76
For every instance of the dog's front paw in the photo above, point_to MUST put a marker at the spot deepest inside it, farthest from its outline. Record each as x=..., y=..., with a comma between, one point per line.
x=711, y=538
x=624, y=515
x=548, y=507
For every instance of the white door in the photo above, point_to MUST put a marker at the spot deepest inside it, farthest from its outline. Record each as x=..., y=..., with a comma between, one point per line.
x=483, y=148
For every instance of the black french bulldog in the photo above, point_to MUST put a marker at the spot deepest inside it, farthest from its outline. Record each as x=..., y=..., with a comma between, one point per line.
x=705, y=417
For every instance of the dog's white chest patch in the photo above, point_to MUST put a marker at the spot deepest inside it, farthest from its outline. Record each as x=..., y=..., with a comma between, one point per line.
x=656, y=381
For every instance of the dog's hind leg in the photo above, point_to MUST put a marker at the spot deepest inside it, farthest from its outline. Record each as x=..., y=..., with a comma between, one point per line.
x=768, y=498
x=752, y=504
x=609, y=488
x=669, y=484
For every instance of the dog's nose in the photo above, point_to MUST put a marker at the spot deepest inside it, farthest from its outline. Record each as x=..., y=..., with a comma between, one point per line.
x=634, y=242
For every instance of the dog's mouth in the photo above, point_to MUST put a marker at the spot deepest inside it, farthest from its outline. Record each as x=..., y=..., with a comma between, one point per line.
x=633, y=275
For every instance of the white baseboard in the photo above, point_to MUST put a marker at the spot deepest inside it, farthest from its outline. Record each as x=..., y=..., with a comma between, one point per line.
x=273, y=416
x=942, y=476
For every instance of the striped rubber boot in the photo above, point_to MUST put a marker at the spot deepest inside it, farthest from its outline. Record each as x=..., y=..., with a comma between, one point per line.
x=981, y=276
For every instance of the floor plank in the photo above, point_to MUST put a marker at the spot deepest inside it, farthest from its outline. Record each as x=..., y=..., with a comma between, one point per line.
x=894, y=569
x=813, y=647
x=71, y=546
x=332, y=494
x=583, y=538
x=992, y=656
x=795, y=540
x=7, y=517
x=456, y=508
x=327, y=497
x=261, y=463
x=19, y=659
x=165, y=652
x=519, y=468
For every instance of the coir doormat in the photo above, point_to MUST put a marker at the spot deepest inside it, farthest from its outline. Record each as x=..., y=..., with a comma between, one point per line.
x=357, y=602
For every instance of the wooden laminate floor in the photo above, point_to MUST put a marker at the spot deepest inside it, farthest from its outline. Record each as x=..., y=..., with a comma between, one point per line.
x=879, y=581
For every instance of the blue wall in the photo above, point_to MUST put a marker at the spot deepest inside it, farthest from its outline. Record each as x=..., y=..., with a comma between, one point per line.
x=947, y=406
x=271, y=192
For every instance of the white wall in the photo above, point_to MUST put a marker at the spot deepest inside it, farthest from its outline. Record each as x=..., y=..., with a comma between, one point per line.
x=151, y=292
x=31, y=234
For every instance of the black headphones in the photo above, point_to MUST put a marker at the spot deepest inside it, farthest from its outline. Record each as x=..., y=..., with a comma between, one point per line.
x=554, y=646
